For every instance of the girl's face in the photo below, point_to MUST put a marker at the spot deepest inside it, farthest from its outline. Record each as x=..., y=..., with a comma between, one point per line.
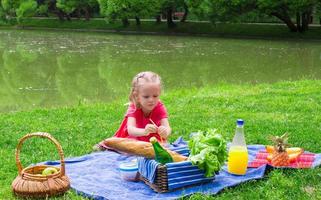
x=148, y=96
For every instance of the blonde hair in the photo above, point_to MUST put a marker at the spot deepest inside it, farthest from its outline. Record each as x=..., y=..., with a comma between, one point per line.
x=138, y=80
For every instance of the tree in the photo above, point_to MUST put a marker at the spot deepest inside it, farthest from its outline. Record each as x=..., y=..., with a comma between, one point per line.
x=43, y=10
x=26, y=8
x=67, y=6
x=78, y=6
x=186, y=11
x=126, y=9
x=169, y=7
x=8, y=8
x=318, y=11
x=287, y=10
x=303, y=11
x=115, y=9
x=284, y=10
x=47, y=7
x=87, y=7
x=2, y=13
x=200, y=8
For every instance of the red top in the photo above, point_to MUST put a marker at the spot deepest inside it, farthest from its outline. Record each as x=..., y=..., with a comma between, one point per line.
x=157, y=114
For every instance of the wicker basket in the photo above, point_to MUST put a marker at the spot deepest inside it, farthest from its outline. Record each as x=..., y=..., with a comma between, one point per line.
x=30, y=182
x=161, y=182
x=172, y=176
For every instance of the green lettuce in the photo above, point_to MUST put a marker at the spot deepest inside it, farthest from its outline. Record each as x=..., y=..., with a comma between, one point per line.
x=208, y=151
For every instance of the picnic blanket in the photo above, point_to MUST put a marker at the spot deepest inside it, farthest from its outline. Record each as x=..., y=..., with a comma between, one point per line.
x=96, y=176
x=304, y=160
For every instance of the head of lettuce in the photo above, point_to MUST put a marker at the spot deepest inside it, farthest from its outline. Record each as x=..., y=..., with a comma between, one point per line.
x=207, y=151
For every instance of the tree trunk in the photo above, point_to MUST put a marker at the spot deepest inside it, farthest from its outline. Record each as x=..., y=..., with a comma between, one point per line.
x=87, y=14
x=137, y=21
x=170, y=23
x=125, y=22
x=68, y=17
x=311, y=19
x=185, y=13
x=298, y=21
x=60, y=15
x=306, y=19
x=158, y=19
x=287, y=20
x=305, y=22
x=78, y=13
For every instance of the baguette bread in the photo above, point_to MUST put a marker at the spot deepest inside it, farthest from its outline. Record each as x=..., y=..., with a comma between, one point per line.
x=138, y=148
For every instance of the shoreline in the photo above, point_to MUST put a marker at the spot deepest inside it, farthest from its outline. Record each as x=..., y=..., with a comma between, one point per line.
x=186, y=29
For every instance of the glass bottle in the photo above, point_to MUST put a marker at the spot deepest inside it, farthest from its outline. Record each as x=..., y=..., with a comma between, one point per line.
x=161, y=155
x=238, y=154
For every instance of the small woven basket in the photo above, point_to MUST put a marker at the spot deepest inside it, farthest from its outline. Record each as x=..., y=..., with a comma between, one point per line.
x=161, y=182
x=31, y=183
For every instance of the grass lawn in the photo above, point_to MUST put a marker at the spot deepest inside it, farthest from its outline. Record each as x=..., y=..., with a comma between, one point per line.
x=268, y=109
x=187, y=28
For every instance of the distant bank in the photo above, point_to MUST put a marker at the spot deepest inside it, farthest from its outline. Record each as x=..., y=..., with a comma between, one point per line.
x=203, y=28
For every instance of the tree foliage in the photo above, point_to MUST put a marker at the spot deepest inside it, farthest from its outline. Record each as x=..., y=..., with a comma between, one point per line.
x=2, y=13
x=284, y=10
x=8, y=8
x=68, y=6
x=200, y=8
x=78, y=6
x=26, y=8
x=296, y=14
x=125, y=9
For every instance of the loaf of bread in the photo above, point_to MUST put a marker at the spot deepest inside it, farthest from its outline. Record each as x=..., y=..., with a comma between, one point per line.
x=138, y=148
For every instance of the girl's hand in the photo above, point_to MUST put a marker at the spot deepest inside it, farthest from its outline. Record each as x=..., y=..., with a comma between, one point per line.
x=162, y=131
x=150, y=128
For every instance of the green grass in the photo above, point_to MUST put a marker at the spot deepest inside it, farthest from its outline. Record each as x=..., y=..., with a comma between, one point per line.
x=188, y=28
x=268, y=109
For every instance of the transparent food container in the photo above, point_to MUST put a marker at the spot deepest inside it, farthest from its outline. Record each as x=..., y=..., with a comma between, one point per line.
x=129, y=170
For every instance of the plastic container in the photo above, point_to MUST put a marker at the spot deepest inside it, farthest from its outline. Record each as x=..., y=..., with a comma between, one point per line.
x=238, y=154
x=129, y=170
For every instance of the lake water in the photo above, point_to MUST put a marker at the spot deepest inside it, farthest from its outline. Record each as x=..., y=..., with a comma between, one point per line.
x=52, y=69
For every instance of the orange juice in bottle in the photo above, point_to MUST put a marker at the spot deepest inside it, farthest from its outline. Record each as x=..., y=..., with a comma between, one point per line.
x=237, y=160
x=238, y=155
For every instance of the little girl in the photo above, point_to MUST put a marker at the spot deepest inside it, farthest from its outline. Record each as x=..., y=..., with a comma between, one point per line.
x=146, y=115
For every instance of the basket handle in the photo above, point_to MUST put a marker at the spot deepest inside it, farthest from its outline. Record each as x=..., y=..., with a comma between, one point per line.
x=43, y=135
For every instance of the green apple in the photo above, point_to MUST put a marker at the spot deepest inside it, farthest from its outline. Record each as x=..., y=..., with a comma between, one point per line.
x=49, y=170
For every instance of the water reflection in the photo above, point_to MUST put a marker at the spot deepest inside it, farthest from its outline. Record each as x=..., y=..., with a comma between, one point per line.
x=45, y=69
